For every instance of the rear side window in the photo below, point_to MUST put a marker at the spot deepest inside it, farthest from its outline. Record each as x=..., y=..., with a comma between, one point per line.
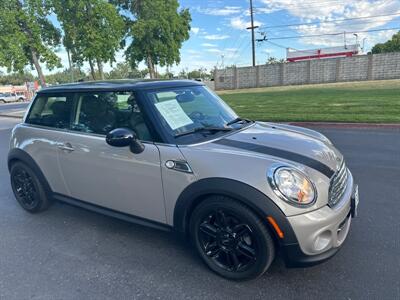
x=51, y=111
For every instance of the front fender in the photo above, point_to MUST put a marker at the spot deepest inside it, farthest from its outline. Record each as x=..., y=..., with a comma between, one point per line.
x=253, y=198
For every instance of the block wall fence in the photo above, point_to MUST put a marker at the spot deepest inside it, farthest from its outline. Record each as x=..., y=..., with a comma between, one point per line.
x=356, y=68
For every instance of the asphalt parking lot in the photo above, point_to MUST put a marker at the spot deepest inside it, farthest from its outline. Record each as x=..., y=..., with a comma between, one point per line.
x=70, y=253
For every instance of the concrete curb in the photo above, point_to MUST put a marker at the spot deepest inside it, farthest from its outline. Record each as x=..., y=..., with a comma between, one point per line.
x=347, y=125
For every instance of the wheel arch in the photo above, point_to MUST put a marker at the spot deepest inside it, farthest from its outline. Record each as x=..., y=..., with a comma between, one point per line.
x=255, y=200
x=18, y=155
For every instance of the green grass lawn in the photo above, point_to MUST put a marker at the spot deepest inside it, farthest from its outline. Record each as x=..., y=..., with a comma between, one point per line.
x=369, y=101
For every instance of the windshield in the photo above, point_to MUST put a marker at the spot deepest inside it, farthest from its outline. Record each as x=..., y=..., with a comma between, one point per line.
x=191, y=110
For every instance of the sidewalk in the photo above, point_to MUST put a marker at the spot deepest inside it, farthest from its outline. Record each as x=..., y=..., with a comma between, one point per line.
x=346, y=125
x=17, y=113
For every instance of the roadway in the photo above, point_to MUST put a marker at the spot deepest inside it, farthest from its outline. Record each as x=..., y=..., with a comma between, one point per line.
x=70, y=253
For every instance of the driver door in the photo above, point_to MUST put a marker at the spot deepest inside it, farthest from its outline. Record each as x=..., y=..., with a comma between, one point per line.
x=107, y=176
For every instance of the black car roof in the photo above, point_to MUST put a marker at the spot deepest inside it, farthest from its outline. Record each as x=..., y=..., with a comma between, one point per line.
x=118, y=85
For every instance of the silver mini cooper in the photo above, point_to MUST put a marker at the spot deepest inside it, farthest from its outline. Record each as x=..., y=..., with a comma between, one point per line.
x=173, y=155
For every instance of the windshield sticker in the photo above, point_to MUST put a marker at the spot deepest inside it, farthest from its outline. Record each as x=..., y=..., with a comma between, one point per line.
x=173, y=113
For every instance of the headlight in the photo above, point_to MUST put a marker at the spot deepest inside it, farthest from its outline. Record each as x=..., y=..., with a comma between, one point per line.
x=292, y=186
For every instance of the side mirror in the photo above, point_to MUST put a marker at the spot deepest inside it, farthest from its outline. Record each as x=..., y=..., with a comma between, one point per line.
x=124, y=137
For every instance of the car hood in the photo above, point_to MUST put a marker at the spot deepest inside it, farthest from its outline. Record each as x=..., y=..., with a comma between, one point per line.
x=287, y=142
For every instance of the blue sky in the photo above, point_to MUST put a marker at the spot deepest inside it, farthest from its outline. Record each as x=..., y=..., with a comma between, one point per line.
x=218, y=29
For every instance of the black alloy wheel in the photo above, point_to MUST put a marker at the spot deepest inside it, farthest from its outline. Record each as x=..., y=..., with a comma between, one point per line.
x=231, y=239
x=228, y=241
x=28, y=189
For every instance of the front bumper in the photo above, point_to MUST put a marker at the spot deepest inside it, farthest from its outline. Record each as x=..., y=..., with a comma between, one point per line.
x=321, y=233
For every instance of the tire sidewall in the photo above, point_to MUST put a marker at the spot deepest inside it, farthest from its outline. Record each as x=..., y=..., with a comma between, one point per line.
x=265, y=247
x=42, y=197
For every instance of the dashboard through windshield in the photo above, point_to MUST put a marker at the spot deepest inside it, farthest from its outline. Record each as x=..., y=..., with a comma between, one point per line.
x=192, y=112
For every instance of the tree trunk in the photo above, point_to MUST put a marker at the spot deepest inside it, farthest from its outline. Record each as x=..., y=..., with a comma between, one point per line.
x=150, y=65
x=38, y=68
x=92, y=70
x=71, y=70
x=100, y=67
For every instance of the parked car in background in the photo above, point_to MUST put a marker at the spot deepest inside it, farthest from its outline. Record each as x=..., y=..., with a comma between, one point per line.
x=12, y=97
x=174, y=156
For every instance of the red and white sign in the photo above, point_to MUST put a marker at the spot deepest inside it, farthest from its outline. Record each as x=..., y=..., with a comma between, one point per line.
x=331, y=52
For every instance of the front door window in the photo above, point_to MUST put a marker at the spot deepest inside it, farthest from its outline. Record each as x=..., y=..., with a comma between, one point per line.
x=101, y=112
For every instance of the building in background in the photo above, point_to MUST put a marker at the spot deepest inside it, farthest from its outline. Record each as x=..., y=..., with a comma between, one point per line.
x=28, y=89
x=330, y=52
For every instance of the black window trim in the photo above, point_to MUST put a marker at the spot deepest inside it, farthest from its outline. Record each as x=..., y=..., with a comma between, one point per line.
x=35, y=99
x=149, y=121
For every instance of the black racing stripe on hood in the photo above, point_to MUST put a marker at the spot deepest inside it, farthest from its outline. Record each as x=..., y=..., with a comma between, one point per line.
x=310, y=162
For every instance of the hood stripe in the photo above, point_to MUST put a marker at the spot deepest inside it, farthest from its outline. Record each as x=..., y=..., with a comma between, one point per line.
x=310, y=162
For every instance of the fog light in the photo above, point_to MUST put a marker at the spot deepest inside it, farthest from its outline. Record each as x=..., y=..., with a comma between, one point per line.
x=322, y=241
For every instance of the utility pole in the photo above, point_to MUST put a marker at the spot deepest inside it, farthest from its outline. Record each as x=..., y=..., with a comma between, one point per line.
x=252, y=27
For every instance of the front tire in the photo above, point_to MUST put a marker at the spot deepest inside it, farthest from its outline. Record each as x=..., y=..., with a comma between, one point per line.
x=231, y=239
x=28, y=189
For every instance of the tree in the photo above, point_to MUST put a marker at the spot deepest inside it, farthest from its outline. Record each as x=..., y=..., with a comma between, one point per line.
x=27, y=37
x=156, y=31
x=16, y=78
x=183, y=74
x=124, y=70
x=272, y=60
x=93, y=31
x=393, y=45
x=65, y=76
x=194, y=74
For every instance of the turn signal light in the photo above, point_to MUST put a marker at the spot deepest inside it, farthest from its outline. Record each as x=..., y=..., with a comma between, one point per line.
x=278, y=231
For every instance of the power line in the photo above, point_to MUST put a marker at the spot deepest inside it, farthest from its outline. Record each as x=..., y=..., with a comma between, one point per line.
x=279, y=45
x=341, y=27
x=241, y=51
x=285, y=6
x=331, y=21
x=330, y=34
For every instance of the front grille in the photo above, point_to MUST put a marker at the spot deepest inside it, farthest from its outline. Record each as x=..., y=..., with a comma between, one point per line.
x=338, y=185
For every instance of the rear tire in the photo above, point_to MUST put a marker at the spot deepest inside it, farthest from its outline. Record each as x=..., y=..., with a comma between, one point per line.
x=231, y=239
x=28, y=189
x=2, y=101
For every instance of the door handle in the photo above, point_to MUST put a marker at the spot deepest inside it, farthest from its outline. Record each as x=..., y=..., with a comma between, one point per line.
x=66, y=147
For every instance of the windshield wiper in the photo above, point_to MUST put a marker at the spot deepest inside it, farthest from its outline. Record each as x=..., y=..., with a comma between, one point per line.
x=237, y=120
x=199, y=129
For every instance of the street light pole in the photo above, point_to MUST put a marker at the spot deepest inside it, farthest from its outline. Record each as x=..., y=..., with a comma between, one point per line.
x=356, y=35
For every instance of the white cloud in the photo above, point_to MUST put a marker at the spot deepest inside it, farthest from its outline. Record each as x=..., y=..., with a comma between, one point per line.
x=221, y=11
x=216, y=37
x=241, y=24
x=213, y=50
x=209, y=45
x=195, y=30
x=268, y=51
x=193, y=52
x=311, y=13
